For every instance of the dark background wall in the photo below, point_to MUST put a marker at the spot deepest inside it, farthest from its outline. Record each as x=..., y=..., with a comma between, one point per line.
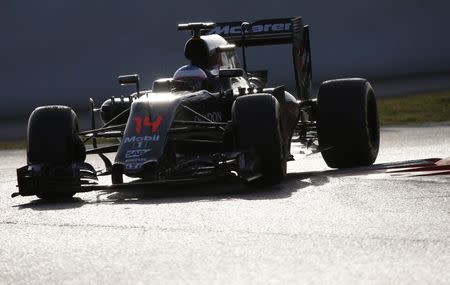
x=63, y=52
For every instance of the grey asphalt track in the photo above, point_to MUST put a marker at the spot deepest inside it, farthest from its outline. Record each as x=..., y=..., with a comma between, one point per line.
x=319, y=226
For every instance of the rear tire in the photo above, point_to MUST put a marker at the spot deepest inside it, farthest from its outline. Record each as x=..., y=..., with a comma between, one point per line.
x=348, y=127
x=52, y=140
x=257, y=127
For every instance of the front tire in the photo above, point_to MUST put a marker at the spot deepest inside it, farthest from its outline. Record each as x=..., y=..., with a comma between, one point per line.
x=257, y=127
x=348, y=127
x=53, y=143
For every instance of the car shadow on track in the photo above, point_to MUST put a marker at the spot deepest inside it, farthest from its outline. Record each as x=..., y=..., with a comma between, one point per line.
x=217, y=191
x=213, y=191
x=43, y=205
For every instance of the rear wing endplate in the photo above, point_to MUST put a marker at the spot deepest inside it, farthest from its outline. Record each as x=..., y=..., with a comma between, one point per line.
x=274, y=32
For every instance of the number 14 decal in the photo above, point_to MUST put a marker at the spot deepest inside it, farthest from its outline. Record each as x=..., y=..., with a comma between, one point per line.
x=144, y=121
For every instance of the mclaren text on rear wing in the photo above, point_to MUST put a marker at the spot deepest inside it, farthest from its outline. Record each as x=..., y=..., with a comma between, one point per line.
x=262, y=32
x=272, y=32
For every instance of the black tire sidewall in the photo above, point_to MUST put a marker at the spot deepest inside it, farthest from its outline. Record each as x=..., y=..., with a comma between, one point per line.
x=348, y=128
x=257, y=128
x=51, y=136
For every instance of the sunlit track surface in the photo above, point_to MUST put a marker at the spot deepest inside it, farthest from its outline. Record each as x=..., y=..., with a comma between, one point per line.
x=373, y=224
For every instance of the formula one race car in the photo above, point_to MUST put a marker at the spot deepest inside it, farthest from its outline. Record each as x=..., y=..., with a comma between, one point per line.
x=213, y=119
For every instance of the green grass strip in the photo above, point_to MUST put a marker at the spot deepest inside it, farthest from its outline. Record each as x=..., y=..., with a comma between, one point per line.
x=415, y=109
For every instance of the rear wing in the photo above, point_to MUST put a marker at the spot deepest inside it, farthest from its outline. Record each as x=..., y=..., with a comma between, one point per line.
x=274, y=32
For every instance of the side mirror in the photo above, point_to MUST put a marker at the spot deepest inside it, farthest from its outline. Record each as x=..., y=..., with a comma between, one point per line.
x=162, y=85
x=226, y=48
x=130, y=79
x=232, y=72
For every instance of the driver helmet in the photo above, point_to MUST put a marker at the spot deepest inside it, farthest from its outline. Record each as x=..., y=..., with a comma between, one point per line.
x=192, y=76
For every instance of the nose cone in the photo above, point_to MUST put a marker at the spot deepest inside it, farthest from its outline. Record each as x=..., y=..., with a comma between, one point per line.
x=145, y=135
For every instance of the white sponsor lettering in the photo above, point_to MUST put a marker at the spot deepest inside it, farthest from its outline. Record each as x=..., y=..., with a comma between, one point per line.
x=257, y=28
x=133, y=165
x=133, y=139
x=287, y=27
x=235, y=30
x=142, y=144
x=278, y=27
x=217, y=30
x=136, y=153
x=129, y=160
x=227, y=29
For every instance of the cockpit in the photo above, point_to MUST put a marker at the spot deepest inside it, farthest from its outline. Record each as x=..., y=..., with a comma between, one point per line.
x=207, y=54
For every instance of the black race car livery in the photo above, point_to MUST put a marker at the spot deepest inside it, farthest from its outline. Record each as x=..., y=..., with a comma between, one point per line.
x=213, y=119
